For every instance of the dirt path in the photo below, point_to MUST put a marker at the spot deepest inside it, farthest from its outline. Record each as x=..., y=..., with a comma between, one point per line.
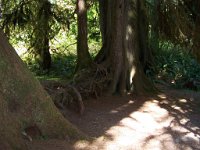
x=168, y=121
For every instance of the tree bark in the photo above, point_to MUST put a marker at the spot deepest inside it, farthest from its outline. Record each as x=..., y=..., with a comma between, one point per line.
x=196, y=35
x=134, y=49
x=83, y=56
x=104, y=24
x=124, y=51
x=155, y=25
x=146, y=57
x=24, y=103
x=41, y=37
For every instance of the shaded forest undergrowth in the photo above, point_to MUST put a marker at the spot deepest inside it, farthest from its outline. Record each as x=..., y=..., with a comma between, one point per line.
x=172, y=65
x=169, y=120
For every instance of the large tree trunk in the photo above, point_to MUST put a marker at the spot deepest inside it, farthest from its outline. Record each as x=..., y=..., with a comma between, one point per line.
x=155, y=25
x=24, y=103
x=124, y=52
x=42, y=30
x=146, y=57
x=196, y=36
x=103, y=9
x=84, y=60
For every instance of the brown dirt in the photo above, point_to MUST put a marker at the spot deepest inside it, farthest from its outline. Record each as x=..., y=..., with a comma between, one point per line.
x=167, y=121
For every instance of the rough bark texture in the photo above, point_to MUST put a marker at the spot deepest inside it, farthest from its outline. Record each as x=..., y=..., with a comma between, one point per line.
x=24, y=103
x=84, y=60
x=155, y=25
x=104, y=10
x=125, y=48
x=196, y=36
x=146, y=58
x=42, y=30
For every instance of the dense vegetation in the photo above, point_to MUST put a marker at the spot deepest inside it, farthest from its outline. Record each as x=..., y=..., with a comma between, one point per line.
x=172, y=29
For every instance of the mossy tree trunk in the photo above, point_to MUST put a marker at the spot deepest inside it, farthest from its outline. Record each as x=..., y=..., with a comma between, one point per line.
x=125, y=50
x=42, y=34
x=23, y=102
x=83, y=57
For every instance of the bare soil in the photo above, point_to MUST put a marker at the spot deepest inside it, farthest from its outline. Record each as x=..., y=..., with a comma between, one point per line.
x=167, y=121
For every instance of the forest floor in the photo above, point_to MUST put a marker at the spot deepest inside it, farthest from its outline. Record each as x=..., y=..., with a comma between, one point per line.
x=168, y=121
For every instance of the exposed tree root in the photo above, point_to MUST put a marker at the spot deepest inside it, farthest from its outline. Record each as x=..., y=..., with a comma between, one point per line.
x=86, y=83
x=64, y=95
x=92, y=82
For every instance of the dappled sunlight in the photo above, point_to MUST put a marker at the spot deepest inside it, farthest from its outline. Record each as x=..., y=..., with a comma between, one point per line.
x=132, y=74
x=129, y=31
x=117, y=110
x=177, y=108
x=182, y=100
x=150, y=126
x=132, y=130
x=81, y=6
x=162, y=96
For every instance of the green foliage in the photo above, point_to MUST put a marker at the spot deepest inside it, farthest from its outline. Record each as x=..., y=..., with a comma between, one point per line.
x=36, y=19
x=176, y=66
x=93, y=23
x=63, y=60
x=61, y=30
x=62, y=68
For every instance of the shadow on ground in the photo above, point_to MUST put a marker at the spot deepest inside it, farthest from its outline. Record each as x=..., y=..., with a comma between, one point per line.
x=103, y=113
x=169, y=120
x=184, y=108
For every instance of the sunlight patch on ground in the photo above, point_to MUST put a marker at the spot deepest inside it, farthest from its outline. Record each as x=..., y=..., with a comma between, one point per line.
x=162, y=96
x=183, y=100
x=175, y=107
x=149, y=128
x=114, y=111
